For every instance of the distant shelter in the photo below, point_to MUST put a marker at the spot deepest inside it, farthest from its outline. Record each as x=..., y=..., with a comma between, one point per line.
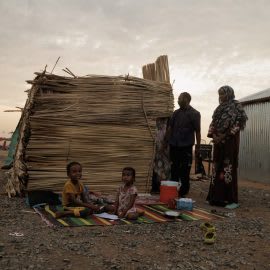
x=254, y=156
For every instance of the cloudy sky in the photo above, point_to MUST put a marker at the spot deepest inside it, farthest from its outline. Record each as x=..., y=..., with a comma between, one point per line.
x=209, y=43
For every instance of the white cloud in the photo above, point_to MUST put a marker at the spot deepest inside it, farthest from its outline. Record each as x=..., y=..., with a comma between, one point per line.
x=70, y=40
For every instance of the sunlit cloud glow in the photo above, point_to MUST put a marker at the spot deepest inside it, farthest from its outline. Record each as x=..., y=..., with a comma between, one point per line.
x=209, y=44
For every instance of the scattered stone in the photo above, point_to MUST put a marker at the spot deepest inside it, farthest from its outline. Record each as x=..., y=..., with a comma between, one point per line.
x=242, y=241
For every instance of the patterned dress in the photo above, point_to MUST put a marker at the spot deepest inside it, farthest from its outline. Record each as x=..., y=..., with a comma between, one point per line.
x=224, y=187
x=124, y=197
x=228, y=119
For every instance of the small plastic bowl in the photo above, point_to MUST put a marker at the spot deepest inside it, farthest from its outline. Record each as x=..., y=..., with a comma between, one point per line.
x=172, y=214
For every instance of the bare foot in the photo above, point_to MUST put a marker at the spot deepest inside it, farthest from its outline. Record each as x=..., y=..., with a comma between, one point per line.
x=134, y=216
x=58, y=214
x=140, y=212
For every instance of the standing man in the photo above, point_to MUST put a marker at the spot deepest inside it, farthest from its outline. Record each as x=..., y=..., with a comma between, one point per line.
x=184, y=124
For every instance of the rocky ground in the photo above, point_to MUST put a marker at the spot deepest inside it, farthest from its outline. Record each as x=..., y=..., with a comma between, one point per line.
x=243, y=239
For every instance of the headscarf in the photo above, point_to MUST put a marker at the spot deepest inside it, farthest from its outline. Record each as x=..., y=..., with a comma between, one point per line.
x=229, y=114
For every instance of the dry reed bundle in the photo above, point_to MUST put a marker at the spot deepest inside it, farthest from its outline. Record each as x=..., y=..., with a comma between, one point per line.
x=158, y=71
x=104, y=122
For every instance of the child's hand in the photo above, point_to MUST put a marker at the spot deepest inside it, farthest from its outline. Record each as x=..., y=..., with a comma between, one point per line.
x=121, y=214
x=101, y=209
x=93, y=207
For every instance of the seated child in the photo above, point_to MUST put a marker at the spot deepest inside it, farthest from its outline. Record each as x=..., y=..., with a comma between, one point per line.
x=74, y=200
x=126, y=196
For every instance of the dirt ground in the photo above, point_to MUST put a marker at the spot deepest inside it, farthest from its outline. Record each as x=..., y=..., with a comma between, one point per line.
x=243, y=239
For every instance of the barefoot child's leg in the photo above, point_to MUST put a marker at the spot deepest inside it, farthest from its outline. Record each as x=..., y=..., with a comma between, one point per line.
x=74, y=212
x=109, y=208
x=140, y=212
x=132, y=216
x=60, y=214
x=135, y=215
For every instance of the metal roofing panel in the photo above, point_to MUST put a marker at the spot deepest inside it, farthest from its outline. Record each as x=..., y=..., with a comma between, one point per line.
x=259, y=95
x=254, y=155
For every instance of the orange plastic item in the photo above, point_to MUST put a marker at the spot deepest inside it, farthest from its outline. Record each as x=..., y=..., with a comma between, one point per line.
x=167, y=193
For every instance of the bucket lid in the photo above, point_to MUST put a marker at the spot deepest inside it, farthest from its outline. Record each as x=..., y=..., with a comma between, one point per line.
x=169, y=183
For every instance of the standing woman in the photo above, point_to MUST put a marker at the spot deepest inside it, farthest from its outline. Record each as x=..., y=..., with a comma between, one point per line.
x=227, y=121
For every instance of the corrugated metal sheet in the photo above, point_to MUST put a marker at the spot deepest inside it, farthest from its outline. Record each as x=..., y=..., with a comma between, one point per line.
x=254, y=155
x=257, y=96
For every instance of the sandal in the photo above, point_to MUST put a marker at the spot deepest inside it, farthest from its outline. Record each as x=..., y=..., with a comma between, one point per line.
x=207, y=227
x=210, y=238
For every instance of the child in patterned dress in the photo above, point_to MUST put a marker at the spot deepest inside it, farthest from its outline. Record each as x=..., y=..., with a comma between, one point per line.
x=126, y=196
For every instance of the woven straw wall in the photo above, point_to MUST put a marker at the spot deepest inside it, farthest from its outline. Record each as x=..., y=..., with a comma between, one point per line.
x=104, y=122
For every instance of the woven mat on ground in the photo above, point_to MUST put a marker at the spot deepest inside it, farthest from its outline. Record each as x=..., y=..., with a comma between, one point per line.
x=196, y=214
x=152, y=214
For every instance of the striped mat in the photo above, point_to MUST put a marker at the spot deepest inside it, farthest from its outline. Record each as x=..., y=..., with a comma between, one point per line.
x=153, y=213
